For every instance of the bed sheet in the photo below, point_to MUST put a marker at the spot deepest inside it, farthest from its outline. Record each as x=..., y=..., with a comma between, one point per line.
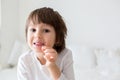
x=8, y=74
x=94, y=74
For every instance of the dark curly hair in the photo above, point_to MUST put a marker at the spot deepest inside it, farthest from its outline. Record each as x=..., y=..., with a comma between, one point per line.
x=49, y=16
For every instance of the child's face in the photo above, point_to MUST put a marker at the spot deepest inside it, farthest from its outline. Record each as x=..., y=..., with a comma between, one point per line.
x=40, y=35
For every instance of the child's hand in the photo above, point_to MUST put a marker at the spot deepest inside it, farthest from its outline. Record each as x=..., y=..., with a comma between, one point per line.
x=50, y=54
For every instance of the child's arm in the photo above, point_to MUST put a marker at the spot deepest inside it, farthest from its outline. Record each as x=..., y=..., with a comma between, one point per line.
x=51, y=56
x=67, y=72
x=54, y=71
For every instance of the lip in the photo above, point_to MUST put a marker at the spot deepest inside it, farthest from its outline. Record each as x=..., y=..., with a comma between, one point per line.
x=38, y=44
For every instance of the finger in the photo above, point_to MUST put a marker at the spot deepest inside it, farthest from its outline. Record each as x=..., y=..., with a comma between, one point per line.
x=49, y=53
x=45, y=47
x=50, y=57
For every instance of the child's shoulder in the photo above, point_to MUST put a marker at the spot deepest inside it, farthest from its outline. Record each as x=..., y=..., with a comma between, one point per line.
x=64, y=57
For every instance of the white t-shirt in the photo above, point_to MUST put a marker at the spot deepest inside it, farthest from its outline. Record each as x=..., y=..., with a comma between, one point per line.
x=29, y=68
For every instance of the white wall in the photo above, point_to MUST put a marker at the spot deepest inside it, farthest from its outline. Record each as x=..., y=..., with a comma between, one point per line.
x=0, y=13
x=0, y=26
x=9, y=28
x=90, y=22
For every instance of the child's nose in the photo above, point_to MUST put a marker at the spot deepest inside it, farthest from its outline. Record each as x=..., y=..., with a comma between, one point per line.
x=38, y=34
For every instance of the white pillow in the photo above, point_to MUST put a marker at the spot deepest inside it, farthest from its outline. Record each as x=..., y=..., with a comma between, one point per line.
x=18, y=49
x=83, y=56
x=108, y=61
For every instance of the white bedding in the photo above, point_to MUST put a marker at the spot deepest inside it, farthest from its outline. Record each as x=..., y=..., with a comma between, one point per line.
x=8, y=74
x=95, y=74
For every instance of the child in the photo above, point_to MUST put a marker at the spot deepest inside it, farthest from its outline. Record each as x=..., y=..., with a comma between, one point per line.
x=48, y=58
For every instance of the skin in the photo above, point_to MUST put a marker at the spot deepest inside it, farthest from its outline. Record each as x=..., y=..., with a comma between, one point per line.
x=41, y=38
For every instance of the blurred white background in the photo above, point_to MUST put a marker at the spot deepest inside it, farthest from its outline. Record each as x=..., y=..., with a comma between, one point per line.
x=89, y=22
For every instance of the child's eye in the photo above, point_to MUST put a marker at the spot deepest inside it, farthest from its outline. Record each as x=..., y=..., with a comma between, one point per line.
x=46, y=30
x=32, y=30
